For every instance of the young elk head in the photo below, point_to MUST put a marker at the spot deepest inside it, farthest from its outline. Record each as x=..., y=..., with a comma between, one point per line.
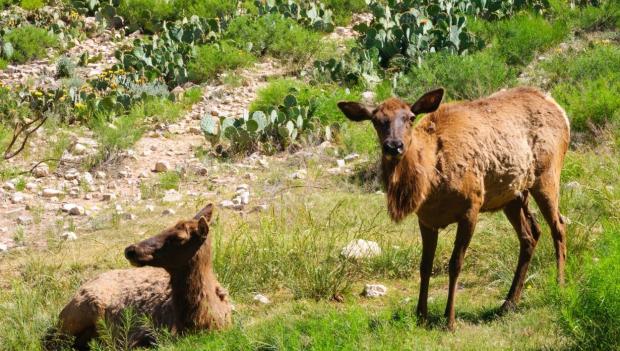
x=175, y=247
x=393, y=119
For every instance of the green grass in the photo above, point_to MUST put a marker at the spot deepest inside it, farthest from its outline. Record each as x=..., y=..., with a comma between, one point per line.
x=169, y=180
x=463, y=77
x=591, y=303
x=212, y=59
x=517, y=40
x=147, y=15
x=205, y=8
x=343, y=9
x=277, y=36
x=29, y=43
x=3, y=63
x=31, y=4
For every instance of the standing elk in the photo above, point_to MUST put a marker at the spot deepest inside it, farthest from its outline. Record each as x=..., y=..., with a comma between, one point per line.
x=469, y=157
x=179, y=291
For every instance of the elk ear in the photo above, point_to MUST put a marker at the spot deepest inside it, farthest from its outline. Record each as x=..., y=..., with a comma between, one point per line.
x=203, y=227
x=355, y=111
x=429, y=102
x=206, y=212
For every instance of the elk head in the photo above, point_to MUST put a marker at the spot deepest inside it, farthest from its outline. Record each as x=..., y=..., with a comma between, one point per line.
x=175, y=247
x=393, y=119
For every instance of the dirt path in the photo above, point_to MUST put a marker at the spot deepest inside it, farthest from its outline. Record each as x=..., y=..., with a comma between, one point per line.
x=28, y=216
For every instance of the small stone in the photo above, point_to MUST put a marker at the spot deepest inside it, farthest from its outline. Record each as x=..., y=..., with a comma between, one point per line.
x=374, y=290
x=243, y=187
x=162, y=166
x=250, y=176
x=351, y=157
x=172, y=196
x=108, y=196
x=72, y=174
x=143, y=174
x=118, y=208
x=49, y=193
x=87, y=178
x=24, y=220
x=260, y=298
x=340, y=163
x=301, y=174
x=74, y=192
x=17, y=198
x=149, y=208
x=227, y=204
x=68, y=236
x=361, y=249
x=100, y=175
x=368, y=97
x=573, y=185
x=9, y=186
x=123, y=174
x=129, y=216
x=202, y=171
x=31, y=186
x=88, y=196
x=4, y=247
x=263, y=163
x=195, y=130
x=168, y=212
x=260, y=208
x=79, y=149
x=244, y=198
x=41, y=171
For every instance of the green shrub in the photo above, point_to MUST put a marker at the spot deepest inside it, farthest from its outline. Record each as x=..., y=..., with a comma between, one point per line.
x=591, y=303
x=147, y=15
x=274, y=35
x=3, y=63
x=463, y=77
x=169, y=180
x=65, y=68
x=597, y=18
x=212, y=59
x=576, y=67
x=519, y=39
x=205, y=8
x=31, y=4
x=6, y=3
x=29, y=43
x=343, y=9
x=593, y=101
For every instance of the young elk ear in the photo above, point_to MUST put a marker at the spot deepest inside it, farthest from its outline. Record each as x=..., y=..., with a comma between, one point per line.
x=206, y=212
x=203, y=227
x=429, y=102
x=355, y=111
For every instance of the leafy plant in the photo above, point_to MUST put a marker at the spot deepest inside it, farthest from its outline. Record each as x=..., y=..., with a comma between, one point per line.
x=31, y=4
x=65, y=67
x=147, y=15
x=27, y=43
x=277, y=128
x=312, y=14
x=211, y=59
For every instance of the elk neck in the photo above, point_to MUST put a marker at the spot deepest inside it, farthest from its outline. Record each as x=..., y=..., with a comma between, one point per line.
x=407, y=180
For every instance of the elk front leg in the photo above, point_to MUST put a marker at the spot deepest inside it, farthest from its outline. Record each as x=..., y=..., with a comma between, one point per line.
x=463, y=236
x=429, y=245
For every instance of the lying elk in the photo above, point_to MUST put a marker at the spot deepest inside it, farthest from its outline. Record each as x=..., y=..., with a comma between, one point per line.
x=469, y=157
x=181, y=294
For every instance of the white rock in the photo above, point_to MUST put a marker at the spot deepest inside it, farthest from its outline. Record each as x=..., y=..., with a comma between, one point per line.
x=172, y=196
x=100, y=175
x=361, y=248
x=263, y=163
x=79, y=149
x=31, y=186
x=17, y=198
x=162, y=166
x=41, y=171
x=51, y=192
x=301, y=174
x=149, y=208
x=129, y=216
x=368, y=97
x=68, y=236
x=168, y=212
x=243, y=187
x=374, y=290
x=244, y=197
x=573, y=185
x=87, y=178
x=340, y=163
x=260, y=298
x=72, y=174
x=74, y=192
x=4, y=247
x=118, y=208
x=24, y=220
x=351, y=157
x=227, y=204
x=9, y=186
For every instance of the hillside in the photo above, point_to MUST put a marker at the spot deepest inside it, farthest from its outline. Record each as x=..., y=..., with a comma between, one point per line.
x=120, y=117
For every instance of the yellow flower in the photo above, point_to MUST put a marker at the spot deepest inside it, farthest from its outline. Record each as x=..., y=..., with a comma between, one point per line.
x=79, y=105
x=37, y=93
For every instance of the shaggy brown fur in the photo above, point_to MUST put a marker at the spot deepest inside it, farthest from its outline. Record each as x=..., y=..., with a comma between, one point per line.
x=469, y=157
x=182, y=295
